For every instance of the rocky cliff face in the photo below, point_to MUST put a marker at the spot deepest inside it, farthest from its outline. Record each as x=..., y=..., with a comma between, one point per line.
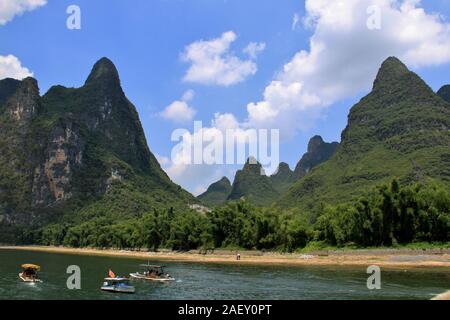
x=73, y=146
x=318, y=152
x=8, y=87
x=63, y=155
x=20, y=107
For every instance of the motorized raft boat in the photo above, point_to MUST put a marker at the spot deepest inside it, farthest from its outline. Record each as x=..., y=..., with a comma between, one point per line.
x=152, y=273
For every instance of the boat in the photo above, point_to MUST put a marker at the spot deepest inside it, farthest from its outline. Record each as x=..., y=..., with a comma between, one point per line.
x=117, y=284
x=30, y=273
x=152, y=273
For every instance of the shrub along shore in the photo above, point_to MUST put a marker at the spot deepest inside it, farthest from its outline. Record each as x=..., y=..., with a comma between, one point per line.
x=388, y=216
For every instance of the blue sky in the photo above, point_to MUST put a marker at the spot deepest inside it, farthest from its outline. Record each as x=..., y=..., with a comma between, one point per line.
x=146, y=40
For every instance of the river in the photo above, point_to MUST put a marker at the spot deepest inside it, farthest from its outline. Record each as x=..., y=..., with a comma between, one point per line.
x=212, y=281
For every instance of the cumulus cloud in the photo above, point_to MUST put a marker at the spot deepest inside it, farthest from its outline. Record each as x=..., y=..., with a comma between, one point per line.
x=182, y=170
x=11, y=67
x=179, y=111
x=213, y=63
x=254, y=48
x=11, y=8
x=344, y=56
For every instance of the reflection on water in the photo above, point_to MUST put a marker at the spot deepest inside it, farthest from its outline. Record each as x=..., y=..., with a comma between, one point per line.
x=205, y=281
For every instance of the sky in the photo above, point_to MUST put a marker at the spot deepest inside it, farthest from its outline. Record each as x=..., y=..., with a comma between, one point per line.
x=290, y=65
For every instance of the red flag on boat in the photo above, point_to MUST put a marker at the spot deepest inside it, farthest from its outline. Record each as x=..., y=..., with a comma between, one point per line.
x=111, y=274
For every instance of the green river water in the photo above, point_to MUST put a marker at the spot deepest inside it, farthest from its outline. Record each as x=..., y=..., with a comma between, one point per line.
x=213, y=281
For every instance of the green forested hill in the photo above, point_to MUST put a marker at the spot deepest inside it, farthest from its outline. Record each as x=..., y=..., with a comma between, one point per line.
x=283, y=178
x=399, y=130
x=76, y=151
x=252, y=184
x=217, y=193
x=444, y=93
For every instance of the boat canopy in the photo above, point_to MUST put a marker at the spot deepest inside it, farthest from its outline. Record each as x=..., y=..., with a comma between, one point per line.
x=31, y=267
x=151, y=266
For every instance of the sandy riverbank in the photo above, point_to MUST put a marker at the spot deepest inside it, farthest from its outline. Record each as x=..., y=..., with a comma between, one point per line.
x=404, y=259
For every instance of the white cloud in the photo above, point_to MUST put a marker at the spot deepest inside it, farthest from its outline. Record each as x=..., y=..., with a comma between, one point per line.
x=179, y=111
x=254, y=48
x=212, y=62
x=224, y=121
x=11, y=8
x=194, y=177
x=11, y=67
x=344, y=56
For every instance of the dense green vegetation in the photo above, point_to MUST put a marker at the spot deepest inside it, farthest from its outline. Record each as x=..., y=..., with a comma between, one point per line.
x=389, y=215
x=386, y=216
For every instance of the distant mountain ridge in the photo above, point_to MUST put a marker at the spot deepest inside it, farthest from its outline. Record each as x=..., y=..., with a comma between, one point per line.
x=261, y=189
x=217, y=193
x=252, y=184
x=444, y=93
x=283, y=178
